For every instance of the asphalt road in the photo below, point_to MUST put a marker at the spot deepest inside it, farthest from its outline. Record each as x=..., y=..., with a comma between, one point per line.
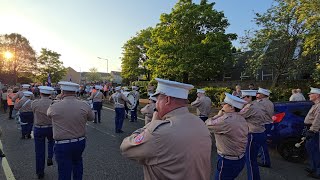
x=102, y=158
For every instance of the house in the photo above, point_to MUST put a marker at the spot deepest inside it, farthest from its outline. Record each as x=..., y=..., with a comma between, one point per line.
x=81, y=77
x=72, y=75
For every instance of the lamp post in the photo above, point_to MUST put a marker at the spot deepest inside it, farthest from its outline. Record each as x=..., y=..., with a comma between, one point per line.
x=107, y=62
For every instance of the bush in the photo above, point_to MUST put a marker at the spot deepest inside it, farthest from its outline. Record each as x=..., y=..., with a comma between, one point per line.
x=216, y=94
x=142, y=88
x=280, y=94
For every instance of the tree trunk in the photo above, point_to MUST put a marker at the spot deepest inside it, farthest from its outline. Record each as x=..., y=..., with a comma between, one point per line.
x=275, y=80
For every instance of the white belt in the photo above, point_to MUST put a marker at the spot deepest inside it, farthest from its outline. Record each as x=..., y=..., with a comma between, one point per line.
x=46, y=126
x=232, y=157
x=69, y=140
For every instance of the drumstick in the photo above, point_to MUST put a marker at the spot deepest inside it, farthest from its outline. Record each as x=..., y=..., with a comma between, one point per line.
x=297, y=145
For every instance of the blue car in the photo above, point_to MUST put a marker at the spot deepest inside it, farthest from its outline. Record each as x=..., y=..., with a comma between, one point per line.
x=287, y=127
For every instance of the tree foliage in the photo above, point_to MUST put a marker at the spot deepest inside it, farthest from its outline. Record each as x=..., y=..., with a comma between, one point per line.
x=280, y=41
x=93, y=75
x=190, y=43
x=135, y=57
x=48, y=63
x=24, y=57
x=187, y=44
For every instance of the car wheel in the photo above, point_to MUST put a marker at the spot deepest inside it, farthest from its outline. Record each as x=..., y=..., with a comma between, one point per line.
x=290, y=152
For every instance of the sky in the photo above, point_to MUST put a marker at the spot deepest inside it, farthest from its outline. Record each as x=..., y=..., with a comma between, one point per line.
x=83, y=30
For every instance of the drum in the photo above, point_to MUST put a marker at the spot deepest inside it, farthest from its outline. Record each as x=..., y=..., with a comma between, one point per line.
x=132, y=98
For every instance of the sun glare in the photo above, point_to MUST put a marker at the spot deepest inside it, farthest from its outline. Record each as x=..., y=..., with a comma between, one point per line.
x=8, y=55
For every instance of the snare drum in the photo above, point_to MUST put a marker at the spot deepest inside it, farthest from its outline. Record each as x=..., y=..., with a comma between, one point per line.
x=132, y=98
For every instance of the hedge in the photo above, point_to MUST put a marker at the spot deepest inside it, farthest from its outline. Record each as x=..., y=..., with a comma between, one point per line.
x=216, y=94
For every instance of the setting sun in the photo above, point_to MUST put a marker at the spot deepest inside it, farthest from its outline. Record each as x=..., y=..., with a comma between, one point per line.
x=8, y=55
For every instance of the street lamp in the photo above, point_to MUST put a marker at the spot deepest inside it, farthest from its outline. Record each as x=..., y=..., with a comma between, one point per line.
x=107, y=62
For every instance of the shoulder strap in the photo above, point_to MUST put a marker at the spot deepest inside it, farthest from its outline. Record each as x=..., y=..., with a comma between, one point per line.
x=96, y=94
x=25, y=103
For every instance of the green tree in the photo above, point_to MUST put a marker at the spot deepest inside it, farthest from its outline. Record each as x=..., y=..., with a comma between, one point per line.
x=190, y=43
x=307, y=12
x=278, y=43
x=48, y=63
x=93, y=75
x=24, y=57
x=134, y=56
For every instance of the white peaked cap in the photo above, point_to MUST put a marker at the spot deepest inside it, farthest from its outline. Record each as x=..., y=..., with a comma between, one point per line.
x=172, y=88
x=134, y=87
x=98, y=87
x=69, y=86
x=27, y=93
x=25, y=86
x=118, y=88
x=46, y=89
x=234, y=101
x=125, y=89
x=314, y=90
x=248, y=93
x=201, y=91
x=264, y=91
x=152, y=97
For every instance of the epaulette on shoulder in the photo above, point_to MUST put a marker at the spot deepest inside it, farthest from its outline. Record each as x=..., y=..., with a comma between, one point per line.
x=157, y=124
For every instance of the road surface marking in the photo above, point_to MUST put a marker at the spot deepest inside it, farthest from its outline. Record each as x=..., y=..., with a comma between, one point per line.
x=6, y=168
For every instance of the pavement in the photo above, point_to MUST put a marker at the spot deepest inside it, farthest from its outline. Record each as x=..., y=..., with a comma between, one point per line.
x=102, y=158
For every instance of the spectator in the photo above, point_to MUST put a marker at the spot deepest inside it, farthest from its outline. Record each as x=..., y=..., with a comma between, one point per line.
x=237, y=92
x=251, y=86
x=4, y=100
x=301, y=96
x=297, y=95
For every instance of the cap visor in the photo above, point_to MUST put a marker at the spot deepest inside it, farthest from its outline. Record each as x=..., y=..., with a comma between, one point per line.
x=155, y=94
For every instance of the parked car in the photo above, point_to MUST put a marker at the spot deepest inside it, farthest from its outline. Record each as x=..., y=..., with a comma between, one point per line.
x=287, y=127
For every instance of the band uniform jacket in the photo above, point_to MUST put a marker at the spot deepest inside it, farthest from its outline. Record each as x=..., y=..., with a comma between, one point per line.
x=69, y=117
x=255, y=117
x=19, y=95
x=148, y=111
x=118, y=99
x=203, y=105
x=26, y=107
x=268, y=109
x=97, y=98
x=231, y=132
x=40, y=108
x=313, y=117
x=177, y=147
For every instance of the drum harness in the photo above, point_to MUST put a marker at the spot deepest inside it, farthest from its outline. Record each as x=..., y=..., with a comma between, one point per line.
x=116, y=99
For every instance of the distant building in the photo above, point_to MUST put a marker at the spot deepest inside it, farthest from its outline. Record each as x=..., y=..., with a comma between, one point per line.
x=74, y=76
x=71, y=75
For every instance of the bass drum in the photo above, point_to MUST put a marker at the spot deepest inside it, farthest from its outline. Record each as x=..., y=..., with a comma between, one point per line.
x=132, y=98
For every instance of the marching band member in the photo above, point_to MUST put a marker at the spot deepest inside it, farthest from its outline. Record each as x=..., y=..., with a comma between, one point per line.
x=148, y=110
x=26, y=114
x=136, y=94
x=97, y=98
x=175, y=144
x=268, y=109
x=231, y=133
x=69, y=117
x=42, y=129
x=254, y=116
x=312, y=121
x=203, y=104
x=119, y=100
x=19, y=95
